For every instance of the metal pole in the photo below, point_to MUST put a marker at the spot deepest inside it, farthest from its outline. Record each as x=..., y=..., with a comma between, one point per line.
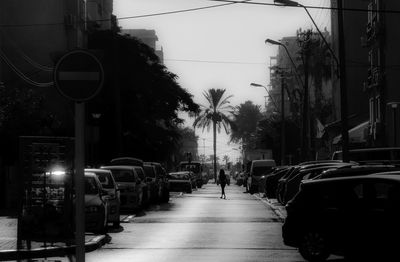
x=343, y=88
x=282, y=120
x=394, y=107
x=79, y=181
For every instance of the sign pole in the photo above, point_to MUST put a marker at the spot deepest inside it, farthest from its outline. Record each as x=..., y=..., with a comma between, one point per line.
x=79, y=181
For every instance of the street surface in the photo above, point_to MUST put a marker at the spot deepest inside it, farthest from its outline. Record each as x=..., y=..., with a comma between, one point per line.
x=201, y=227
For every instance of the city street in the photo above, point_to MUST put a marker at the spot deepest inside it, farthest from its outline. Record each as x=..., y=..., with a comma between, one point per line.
x=201, y=227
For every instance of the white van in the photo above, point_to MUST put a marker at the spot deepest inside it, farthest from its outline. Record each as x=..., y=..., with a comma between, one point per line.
x=258, y=170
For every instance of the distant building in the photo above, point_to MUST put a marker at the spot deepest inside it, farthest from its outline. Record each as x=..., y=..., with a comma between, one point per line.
x=148, y=37
x=99, y=13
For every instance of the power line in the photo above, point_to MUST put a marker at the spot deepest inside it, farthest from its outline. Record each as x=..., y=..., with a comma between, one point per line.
x=21, y=74
x=215, y=62
x=312, y=7
x=130, y=17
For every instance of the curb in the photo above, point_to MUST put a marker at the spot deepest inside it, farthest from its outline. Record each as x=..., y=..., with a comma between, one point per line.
x=91, y=245
x=274, y=208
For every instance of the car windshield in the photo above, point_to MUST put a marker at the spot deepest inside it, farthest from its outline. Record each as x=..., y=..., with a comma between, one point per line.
x=121, y=175
x=149, y=171
x=91, y=187
x=261, y=170
x=105, y=180
x=183, y=176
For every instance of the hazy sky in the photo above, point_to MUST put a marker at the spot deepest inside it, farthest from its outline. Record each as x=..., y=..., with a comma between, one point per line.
x=221, y=47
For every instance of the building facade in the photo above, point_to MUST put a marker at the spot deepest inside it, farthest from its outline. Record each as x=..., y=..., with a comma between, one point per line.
x=148, y=37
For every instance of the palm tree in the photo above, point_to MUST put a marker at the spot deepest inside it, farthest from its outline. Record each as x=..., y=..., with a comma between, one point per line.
x=215, y=115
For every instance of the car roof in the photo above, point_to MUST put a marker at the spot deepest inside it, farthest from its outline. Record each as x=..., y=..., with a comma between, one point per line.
x=97, y=170
x=119, y=167
x=90, y=174
x=392, y=176
x=127, y=161
x=180, y=172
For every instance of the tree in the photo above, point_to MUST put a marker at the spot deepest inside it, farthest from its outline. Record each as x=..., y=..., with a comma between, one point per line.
x=246, y=118
x=215, y=114
x=139, y=102
x=225, y=158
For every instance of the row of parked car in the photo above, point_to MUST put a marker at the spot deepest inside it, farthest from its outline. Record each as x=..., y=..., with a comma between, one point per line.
x=334, y=207
x=125, y=184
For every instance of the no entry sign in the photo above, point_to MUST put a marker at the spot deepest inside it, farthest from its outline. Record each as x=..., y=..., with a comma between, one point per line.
x=79, y=75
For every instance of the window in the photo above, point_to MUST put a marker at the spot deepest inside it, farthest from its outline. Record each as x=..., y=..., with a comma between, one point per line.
x=377, y=108
x=140, y=172
x=91, y=186
x=105, y=180
x=123, y=175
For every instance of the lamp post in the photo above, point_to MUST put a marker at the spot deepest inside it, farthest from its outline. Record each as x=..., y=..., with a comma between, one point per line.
x=304, y=85
x=282, y=114
x=266, y=89
x=340, y=72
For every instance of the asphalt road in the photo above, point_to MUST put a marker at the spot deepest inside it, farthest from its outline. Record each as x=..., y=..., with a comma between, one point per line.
x=200, y=227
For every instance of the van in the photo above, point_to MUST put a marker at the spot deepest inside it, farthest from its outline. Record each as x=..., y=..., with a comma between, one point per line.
x=379, y=155
x=258, y=170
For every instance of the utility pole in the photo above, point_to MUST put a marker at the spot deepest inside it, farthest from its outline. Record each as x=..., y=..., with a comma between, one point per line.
x=343, y=87
x=282, y=118
x=304, y=40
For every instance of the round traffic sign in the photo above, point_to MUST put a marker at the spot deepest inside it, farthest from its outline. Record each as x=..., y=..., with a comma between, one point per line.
x=79, y=75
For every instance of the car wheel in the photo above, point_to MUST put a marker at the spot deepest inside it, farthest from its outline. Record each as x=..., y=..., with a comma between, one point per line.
x=313, y=247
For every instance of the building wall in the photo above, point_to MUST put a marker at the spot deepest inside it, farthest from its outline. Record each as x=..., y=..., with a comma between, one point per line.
x=356, y=58
x=148, y=37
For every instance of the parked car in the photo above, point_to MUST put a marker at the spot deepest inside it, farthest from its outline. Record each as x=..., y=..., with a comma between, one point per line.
x=258, y=170
x=271, y=180
x=357, y=171
x=152, y=182
x=161, y=175
x=291, y=186
x=353, y=216
x=196, y=167
x=138, y=167
x=180, y=181
x=113, y=198
x=281, y=188
x=130, y=185
x=95, y=204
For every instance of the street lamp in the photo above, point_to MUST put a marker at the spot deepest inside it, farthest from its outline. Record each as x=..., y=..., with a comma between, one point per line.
x=266, y=89
x=341, y=69
x=296, y=4
x=273, y=42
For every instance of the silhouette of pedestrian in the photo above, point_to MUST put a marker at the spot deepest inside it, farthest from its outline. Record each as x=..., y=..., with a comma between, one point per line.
x=222, y=181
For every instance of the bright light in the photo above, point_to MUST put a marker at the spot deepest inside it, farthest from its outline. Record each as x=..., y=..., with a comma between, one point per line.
x=58, y=172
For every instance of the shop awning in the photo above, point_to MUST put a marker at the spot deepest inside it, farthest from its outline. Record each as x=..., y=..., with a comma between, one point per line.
x=356, y=134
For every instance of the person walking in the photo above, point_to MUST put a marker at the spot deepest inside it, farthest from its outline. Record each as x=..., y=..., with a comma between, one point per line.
x=222, y=181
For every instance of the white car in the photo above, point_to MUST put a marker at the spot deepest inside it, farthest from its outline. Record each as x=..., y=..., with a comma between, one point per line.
x=113, y=198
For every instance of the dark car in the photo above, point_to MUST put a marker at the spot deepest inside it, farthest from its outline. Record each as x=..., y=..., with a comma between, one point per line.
x=292, y=185
x=162, y=178
x=356, y=171
x=153, y=182
x=352, y=216
x=271, y=181
x=180, y=181
x=281, y=188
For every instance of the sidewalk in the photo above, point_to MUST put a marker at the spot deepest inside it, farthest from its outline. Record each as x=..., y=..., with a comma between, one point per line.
x=8, y=244
x=277, y=207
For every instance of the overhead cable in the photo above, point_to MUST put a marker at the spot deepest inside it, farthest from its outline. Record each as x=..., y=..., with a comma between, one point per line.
x=21, y=74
